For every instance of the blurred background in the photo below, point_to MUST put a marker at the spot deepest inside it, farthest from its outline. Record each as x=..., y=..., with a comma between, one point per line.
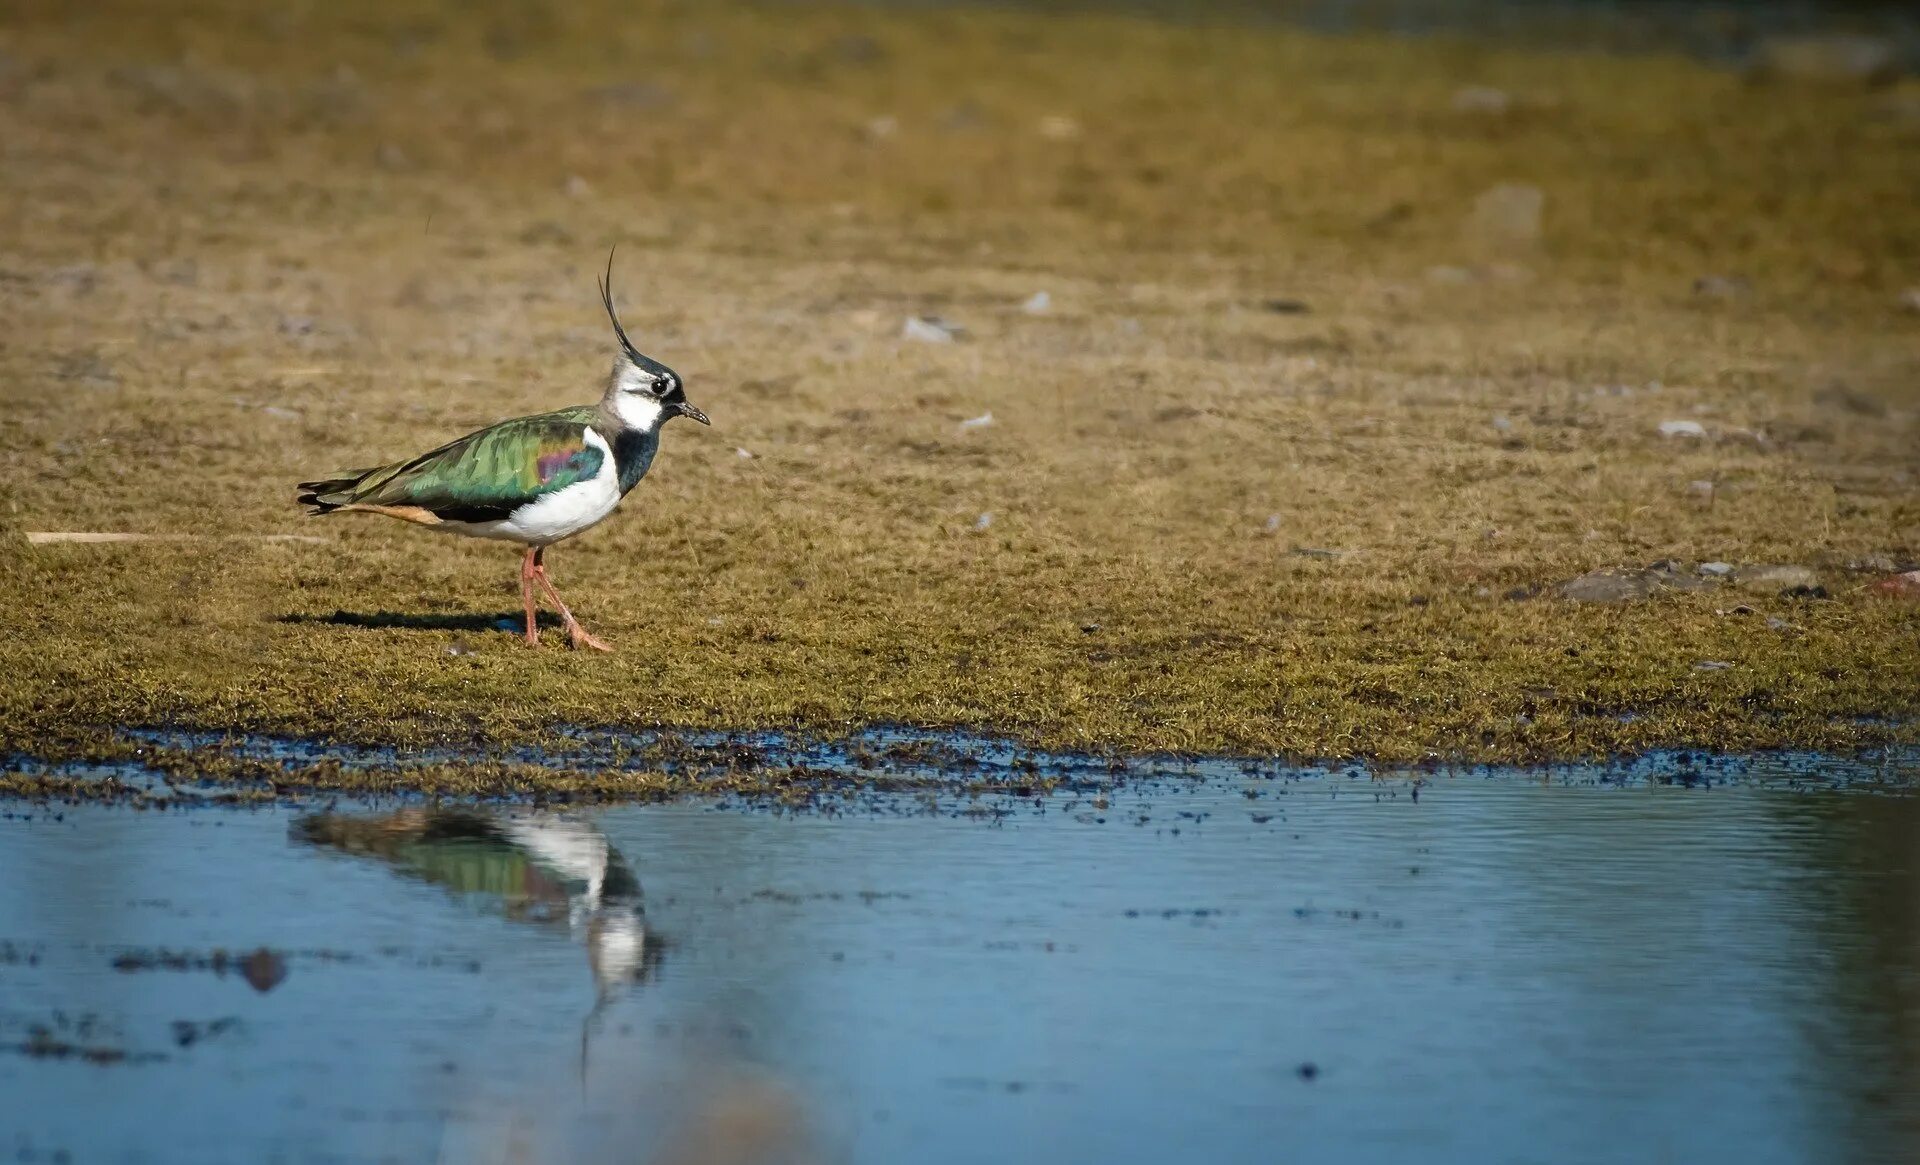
x=1767, y=141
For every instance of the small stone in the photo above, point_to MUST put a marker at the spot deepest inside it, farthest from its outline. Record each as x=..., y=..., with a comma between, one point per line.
x=1775, y=577
x=1682, y=429
x=881, y=128
x=279, y=413
x=1452, y=275
x=1057, y=127
x=1502, y=424
x=1776, y=623
x=984, y=521
x=577, y=187
x=1610, y=586
x=263, y=970
x=1508, y=213
x=927, y=330
x=979, y=422
x=1273, y=524
x=1483, y=99
x=296, y=325
x=1723, y=287
x=1287, y=307
x=1900, y=586
x=1715, y=569
x=743, y=454
x=458, y=649
x=1318, y=552
x=1838, y=59
x=1038, y=304
x=1712, y=665
x=1701, y=489
x=1910, y=300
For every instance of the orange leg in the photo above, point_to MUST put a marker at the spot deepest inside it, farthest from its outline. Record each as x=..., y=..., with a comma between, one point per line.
x=576, y=633
x=529, y=564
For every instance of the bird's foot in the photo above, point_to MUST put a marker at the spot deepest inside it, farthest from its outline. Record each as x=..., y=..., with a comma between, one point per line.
x=582, y=638
x=531, y=638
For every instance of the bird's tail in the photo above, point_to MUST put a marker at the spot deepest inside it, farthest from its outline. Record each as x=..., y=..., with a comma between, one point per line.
x=330, y=494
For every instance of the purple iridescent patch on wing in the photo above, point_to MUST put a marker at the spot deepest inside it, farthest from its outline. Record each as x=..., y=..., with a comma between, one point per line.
x=569, y=461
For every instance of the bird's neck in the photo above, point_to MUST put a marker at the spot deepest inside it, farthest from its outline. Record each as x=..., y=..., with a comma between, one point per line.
x=620, y=411
x=633, y=446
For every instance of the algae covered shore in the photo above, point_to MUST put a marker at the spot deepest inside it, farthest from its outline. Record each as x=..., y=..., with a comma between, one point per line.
x=1352, y=350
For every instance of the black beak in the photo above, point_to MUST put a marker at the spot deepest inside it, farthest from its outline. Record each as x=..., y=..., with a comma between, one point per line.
x=683, y=409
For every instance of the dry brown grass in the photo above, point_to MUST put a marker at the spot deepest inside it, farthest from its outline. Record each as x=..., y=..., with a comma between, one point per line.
x=241, y=247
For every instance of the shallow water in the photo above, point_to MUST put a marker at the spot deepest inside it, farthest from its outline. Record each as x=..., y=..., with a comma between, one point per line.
x=1224, y=968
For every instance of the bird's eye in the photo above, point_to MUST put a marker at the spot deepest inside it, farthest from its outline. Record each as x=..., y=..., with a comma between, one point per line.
x=662, y=386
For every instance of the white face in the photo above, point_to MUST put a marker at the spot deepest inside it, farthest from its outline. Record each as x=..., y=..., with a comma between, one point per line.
x=638, y=410
x=635, y=402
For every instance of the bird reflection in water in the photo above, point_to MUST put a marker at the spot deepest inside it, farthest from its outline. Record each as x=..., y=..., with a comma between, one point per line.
x=543, y=869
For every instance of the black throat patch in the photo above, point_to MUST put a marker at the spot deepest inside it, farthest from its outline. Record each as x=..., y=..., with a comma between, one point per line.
x=633, y=451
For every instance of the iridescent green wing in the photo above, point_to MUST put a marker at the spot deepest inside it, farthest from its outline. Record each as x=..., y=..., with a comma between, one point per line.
x=485, y=476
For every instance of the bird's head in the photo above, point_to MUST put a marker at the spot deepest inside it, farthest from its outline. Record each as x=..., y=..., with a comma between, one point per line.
x=642, y=392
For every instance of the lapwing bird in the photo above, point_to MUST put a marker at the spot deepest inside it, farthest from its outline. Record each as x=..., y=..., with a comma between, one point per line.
x=531, y=480
x=543, y=869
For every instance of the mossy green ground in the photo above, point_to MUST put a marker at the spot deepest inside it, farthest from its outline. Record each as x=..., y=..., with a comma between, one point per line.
x=243, y=246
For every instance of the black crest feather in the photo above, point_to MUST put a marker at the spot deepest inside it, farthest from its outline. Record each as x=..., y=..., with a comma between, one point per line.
x=606, y=297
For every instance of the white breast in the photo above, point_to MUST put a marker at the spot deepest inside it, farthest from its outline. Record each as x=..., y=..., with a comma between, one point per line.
x=619, y=946
x=560, y=514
